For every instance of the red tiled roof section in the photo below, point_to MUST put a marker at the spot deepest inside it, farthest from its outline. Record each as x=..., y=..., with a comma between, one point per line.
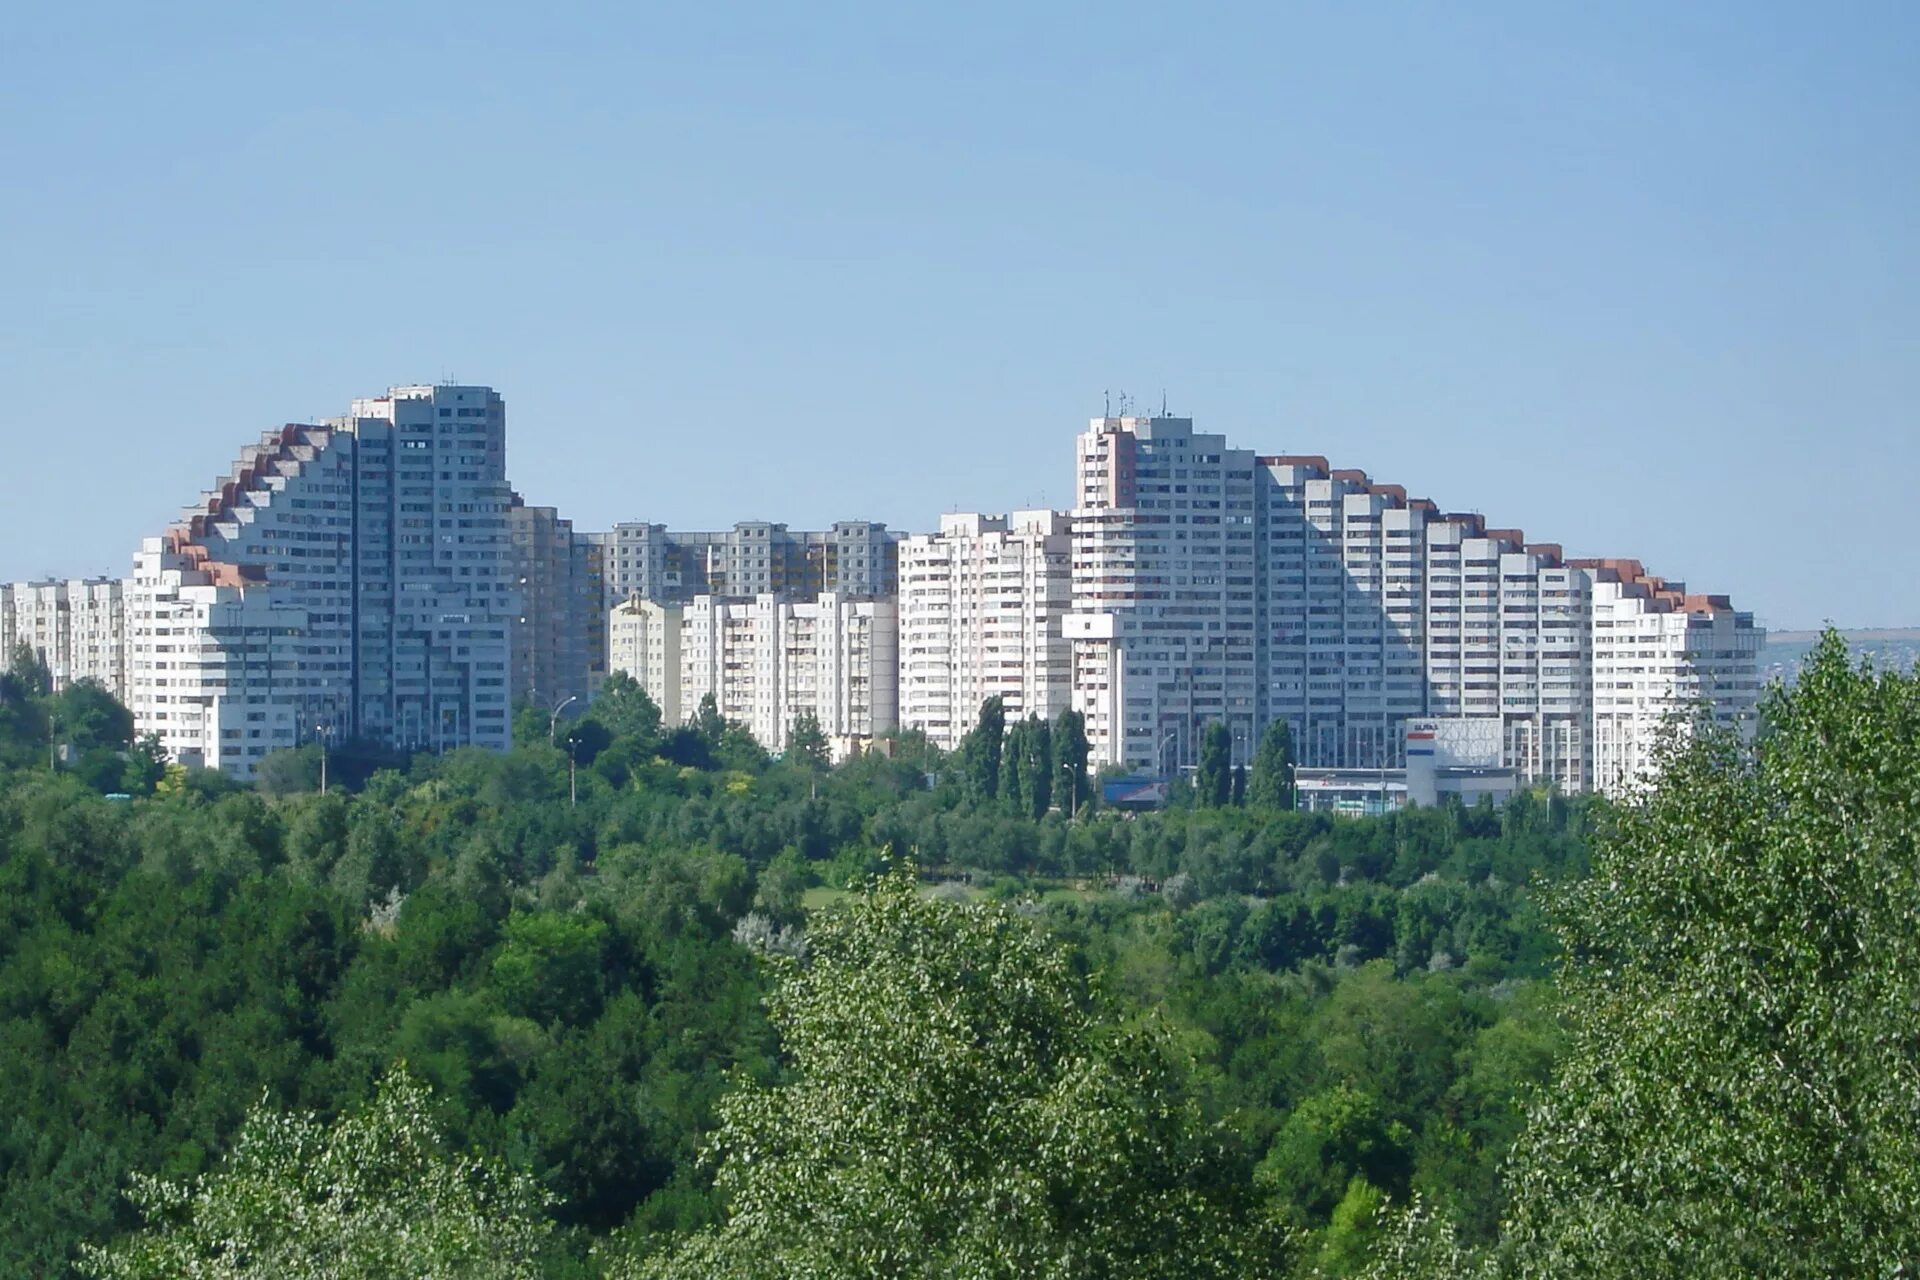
x=250, y=474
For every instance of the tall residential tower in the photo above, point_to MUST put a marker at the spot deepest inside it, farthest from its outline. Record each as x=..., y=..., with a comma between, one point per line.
x=351, y=579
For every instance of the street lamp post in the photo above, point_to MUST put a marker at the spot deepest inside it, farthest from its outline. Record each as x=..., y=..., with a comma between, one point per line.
x=1073, y=789
x=1164, y=744
x=326, y=735
x=553, y=721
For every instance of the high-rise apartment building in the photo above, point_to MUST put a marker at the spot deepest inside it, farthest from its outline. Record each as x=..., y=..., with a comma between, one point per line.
x=76, y=628
x=1661, y=656
x=559, y=635
x=1213, y=584
x=755, y=557
x=1163, y=629
x=643, y=640
x=981, y=609
x=766, y=661
x=353, y=579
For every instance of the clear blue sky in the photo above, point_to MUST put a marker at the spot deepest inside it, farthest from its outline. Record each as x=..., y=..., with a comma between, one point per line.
x=1640, y=279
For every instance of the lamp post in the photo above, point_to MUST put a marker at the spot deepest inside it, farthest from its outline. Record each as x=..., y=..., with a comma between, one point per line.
x=553, y=721
x=326, y=736
x=1073, y=789
x=1164, y=744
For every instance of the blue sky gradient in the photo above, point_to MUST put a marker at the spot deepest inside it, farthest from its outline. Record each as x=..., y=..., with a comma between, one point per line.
x=1640, y=279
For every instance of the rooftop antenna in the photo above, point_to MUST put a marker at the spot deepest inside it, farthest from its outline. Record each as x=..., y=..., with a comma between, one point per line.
x=1106, y=404
x=1163, y=402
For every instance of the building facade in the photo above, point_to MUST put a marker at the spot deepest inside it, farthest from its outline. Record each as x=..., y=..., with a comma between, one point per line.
x=559, y=634
x=982, y=607
x=1214, y=584
x=755, y=557
x=643, y=640
x=1163, y=628
x=1662, y=660
x=766, y=661
x=76, y=628
x=352, y=579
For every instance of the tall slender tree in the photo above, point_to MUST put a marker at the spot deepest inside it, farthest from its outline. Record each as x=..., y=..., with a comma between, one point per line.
x=1213, y=783
x=1270, y=782
x=1070, y=752
x=1036, y=749
x=984, y=748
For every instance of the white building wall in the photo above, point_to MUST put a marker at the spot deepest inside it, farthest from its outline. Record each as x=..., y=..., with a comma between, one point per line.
x=76, y=627
x=768, y=660
x=1661, y=660
x=643, y=640
x=982, y=604
x=1163, y=623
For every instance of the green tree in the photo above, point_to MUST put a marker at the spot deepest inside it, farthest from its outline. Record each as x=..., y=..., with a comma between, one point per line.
x=23, y=715
x=953, y=1108
x=550, y=968
x=30, y=670
x=88, y=717
x=1037, y=767
x=1330, y=1140
x=1070, y=752
x=708, y=722
x=807, y=743
x=983, y=748
x=626, y=709
x=1213, y=782
x=1740, y=1094
x=374, y=1196
x=1270, y=782
x=290, y=771
x=1013, y=768
x=146, y=764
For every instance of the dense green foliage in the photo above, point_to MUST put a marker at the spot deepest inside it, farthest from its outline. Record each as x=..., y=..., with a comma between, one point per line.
x=376, y=1197
x=1740, y=1094
x=995, y=1128
x=1349, y=1009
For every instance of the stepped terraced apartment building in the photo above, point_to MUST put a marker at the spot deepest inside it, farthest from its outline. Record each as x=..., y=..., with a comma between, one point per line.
x=1212, y=583
x=348, y=579
x=373, y=577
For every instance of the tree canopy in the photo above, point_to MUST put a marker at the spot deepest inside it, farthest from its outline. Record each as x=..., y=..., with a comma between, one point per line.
x=955, y=1107
x=376, y=1196
x=1740, y=1092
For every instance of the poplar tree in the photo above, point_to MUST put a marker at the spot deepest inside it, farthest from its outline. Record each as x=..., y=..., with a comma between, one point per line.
x=1270, y=782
